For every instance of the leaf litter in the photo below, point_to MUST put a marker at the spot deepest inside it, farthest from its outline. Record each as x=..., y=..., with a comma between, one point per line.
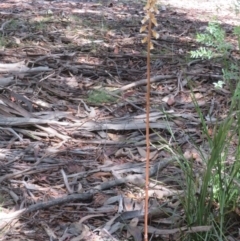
x=72, y=107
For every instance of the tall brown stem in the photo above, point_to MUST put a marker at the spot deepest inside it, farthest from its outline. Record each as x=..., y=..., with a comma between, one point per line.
x=147, y=132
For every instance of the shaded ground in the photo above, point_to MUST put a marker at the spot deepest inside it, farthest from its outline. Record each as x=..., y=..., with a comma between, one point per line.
x=72, y=152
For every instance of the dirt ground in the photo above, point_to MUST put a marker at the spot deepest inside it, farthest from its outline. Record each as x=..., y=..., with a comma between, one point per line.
x=72, y=117
x=225, y=11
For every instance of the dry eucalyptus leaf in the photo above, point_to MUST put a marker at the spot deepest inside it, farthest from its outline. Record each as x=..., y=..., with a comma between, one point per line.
x=85, y=233
x=128, y=204
x=133, y=230
x=124, y=152
x=171, y=100
x=143, y=153
x=134, y=222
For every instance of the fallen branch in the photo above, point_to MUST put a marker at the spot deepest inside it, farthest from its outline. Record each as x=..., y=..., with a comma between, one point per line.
x=21, y=67
x=137, y=179
x=125, y=125
x=8, y=218
x=144, y=81
x=6, y=81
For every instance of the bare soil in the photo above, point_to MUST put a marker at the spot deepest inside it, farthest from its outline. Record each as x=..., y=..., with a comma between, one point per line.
x=72, y=117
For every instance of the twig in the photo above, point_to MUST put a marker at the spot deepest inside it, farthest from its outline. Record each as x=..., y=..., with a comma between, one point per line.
x=132, y=178
x=3, y=26
x=7, y=176
x=44, y=205
x=13, y=132
x=144, y=81
x=65, y=179
x=129, y=102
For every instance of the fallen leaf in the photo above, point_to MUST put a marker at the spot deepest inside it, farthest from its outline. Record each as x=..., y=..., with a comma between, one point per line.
x=171, y=100
x=48, y=230
x=85, y=233
x=133, y=230
x=187, y=154
x=128, y=204
x=143, y=153
x=116, y=50
x=99, y=176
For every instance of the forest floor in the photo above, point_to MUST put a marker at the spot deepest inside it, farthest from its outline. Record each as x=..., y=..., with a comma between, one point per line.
x=72, y=116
